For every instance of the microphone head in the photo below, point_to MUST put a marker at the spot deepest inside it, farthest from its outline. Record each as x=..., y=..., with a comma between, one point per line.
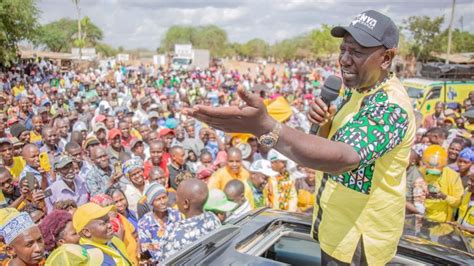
x=331, y=88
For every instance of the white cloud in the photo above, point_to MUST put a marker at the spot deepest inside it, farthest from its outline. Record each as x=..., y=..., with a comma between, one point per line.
x=143, y=23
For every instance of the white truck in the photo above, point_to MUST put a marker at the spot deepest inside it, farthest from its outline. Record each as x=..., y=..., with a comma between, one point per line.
x=187, y=58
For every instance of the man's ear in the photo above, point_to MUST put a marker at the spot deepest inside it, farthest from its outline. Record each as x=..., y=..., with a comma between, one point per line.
x=388, y=58
x=186, y=204
x=10, y=249
x=86, y=233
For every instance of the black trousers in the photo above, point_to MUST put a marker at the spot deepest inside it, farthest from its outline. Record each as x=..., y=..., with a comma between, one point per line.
x=357, y=259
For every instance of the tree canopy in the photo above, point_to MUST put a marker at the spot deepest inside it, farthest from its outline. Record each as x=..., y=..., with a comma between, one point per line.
x=205, y=37
x=18, y=21
x=59, y=36
x=423, y=31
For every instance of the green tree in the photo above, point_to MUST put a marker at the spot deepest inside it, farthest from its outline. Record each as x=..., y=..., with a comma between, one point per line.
x=424, y=32
x=255, y=48
x=177, y=34
x=91, y=33
x=404, y=45
x=105, y=50
x=210, y=37
x=18, y=21
x=462, y=41
x=59, y=35
x=323, y=43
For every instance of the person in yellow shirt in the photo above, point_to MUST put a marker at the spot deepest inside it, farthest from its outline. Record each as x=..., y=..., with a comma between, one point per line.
x=35, y=134
x=233, y=170
x=122, y=228
x=444, y=185
x=466, y=209
x=14, y=164
x=18, y=89
x=362, y=150
x=92, y=223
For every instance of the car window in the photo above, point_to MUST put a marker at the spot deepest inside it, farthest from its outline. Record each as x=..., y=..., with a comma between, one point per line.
x=434, y=93
x=414, y=93
x=425, y=231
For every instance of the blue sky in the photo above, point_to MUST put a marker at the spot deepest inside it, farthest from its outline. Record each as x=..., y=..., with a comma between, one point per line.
x=143, y=23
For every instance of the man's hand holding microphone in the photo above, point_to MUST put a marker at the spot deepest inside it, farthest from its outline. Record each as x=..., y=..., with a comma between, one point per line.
x=321, y=111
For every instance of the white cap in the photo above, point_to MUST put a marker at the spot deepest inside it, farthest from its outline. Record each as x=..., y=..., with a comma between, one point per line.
x=273, y=155
x=263, y=167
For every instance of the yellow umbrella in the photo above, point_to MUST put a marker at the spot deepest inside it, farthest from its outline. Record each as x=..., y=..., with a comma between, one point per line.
x=279, y=109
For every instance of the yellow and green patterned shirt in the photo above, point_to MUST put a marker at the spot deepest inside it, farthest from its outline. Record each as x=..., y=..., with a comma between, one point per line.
x=367, y=203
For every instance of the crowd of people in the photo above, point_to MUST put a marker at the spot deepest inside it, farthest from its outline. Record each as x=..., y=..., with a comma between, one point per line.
x=440, y=176
x=101, y=165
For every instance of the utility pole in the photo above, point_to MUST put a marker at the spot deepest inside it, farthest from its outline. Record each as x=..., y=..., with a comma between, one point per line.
x=450, y=32
x=79, y=33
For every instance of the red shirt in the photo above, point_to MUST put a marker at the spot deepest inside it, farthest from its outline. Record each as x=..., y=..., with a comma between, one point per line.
x=163, y=165
x=126, y=142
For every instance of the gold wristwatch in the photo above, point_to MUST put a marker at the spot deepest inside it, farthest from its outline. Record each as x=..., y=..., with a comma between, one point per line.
x=270, y=139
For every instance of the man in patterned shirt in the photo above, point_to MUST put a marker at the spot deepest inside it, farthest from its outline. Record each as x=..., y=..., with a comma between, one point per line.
x=362, y=149
x=101, y=175
x=191, y=196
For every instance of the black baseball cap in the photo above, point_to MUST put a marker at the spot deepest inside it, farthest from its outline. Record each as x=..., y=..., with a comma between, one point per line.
x=370, y=28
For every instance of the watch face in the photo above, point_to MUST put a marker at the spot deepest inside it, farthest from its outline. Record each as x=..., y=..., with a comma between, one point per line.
x=268, y=141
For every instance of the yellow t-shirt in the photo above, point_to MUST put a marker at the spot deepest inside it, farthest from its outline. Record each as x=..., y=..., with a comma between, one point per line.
x=17, y=90
x=220, y=178
x=35, y=138
x=17, y=167
x=135, y=134
x=466, y=212
x=368, y=203
x=119, y=255
x=451, y=185
x=248, y=194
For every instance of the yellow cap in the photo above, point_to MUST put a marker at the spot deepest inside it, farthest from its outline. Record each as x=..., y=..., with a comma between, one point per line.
x=435, y=157
x=75, y=255
x=88, y=212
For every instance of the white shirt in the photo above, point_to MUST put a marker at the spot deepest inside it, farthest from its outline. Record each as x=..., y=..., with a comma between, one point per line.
x=132, y=194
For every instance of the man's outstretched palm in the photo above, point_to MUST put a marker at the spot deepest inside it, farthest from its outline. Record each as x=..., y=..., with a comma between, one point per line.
x=252, y=118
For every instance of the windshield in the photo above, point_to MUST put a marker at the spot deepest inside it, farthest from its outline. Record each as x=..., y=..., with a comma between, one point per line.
x=181, y=61
x=414, y=92
x=423, y=231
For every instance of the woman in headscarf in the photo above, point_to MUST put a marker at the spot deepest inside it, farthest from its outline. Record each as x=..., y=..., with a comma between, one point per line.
x=464, y=165
x=134, y=186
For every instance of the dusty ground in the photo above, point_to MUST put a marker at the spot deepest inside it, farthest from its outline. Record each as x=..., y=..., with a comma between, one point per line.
x=242, y=67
